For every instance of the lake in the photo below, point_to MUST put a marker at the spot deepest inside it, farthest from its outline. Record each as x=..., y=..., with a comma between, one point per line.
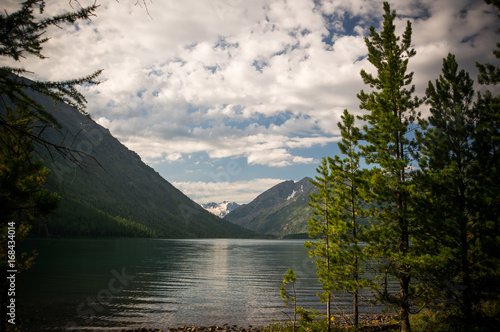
x=164, y=283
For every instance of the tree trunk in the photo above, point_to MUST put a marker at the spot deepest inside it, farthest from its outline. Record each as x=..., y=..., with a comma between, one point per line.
x=404, y=280
x=356, y=309
x=328, y=302
x=404, y=307
x=356, y=276
x=328, y=313
x=404, y=270
x=404, y=274
x=294, y=306
x=466, y=300
x=467, y=303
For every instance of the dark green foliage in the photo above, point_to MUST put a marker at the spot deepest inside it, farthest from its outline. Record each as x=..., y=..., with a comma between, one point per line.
x=340, y=215
x=23, y=196
x=322, y=203
x=436, y=227
x=351, y=213
x=75, y=218
x=289, y=278
x=391, y=106
x=459, y=204
x=391, y=115
x=460, y=177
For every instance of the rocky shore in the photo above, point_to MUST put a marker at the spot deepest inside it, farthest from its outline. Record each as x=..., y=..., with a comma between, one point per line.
x=213, y=328
x=368, y=323
x=223, y=328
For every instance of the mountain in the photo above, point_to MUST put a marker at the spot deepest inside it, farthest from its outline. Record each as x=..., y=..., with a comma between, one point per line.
x=220, y=209
x=116, y=194
x=281, y=210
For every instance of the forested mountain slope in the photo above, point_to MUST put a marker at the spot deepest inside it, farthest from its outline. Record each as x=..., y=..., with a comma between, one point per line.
x=115, y=193
x=281, y=210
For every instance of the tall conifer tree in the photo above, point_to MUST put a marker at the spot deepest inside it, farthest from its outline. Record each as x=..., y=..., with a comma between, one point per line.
x=349, y=222
x=339, y=209
x=461, y=186
x=320, y=227
x=391, y=113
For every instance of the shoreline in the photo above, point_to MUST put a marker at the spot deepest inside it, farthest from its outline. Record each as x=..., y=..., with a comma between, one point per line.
x=368, y=322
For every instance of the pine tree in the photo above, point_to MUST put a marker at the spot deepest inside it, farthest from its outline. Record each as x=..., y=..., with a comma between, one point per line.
x=289, y=278
x=460, y=186
x=349, y=213
x=339, y=208
x=486, y=147
x=319, y=227
x=391, y=115
x=487, y=142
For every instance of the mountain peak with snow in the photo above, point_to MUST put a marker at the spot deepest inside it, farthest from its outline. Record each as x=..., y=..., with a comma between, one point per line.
x=220, y=209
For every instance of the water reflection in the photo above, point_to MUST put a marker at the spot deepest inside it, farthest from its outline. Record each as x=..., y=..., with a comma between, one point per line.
x=175, y=282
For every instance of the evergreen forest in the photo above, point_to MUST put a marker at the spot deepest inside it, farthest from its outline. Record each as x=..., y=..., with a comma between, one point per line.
x=412, y=200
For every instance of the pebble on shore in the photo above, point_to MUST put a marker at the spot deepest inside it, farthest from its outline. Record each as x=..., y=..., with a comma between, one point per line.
x=214, y=328
x=369, y=322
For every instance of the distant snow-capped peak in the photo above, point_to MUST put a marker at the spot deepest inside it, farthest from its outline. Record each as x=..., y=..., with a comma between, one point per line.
x=220, y=209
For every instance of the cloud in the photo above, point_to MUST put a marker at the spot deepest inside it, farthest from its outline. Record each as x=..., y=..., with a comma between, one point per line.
x=259, y=149
x=241, y=192
x=263, y=80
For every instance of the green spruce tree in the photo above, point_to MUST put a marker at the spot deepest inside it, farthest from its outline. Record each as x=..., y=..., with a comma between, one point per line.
x=340, y=219
x=391, y=114
x=487, y=142
x=289, y=278
x=349, y=213
x=459, y=201
x=320, y=228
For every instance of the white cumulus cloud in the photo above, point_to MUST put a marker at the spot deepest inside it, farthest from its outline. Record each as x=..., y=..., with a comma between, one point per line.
x=263, y=79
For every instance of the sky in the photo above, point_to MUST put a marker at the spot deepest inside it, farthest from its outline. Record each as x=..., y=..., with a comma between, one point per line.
x=227, y=98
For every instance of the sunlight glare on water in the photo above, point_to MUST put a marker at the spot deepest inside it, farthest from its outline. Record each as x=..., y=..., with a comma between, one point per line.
x=168, y=283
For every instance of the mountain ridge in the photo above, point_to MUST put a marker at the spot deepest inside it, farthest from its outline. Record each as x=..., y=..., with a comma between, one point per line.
x=281, y=210
x=115, y=191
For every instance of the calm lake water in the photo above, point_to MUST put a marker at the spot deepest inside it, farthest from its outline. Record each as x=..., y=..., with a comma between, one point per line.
x=164, y=283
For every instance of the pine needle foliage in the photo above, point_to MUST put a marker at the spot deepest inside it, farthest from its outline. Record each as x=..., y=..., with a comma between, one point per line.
x=459, y=184
x=321, y=229
x=391, y=114
x=340, y=219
